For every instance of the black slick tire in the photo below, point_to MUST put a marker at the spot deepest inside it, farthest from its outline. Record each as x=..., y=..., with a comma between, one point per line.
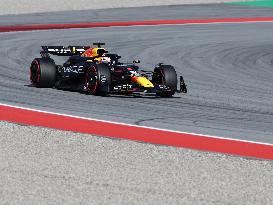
x=43, y=72
x=165, y=75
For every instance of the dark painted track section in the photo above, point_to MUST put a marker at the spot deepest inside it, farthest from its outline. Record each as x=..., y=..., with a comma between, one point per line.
x=138, y=14
x=228, y=69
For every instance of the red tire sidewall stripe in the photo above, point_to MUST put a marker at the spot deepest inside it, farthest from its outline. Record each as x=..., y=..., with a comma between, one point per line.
x=93, y=91
x=38, y=72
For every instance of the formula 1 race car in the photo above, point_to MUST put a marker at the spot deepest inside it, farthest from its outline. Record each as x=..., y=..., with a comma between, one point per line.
x=95, y=71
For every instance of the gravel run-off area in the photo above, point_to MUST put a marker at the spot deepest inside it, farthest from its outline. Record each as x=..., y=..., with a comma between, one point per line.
x=45, y=166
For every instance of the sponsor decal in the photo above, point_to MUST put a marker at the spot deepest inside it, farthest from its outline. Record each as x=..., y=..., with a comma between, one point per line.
x=123, y=87
x=73, y=69
x=103, y=79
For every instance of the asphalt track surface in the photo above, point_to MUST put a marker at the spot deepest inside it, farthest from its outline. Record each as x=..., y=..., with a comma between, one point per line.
x=227, y=68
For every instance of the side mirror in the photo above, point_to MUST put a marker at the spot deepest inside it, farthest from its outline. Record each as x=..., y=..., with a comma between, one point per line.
x=136, y=61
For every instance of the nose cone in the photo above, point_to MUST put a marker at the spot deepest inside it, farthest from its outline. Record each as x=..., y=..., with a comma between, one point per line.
x=143, y=82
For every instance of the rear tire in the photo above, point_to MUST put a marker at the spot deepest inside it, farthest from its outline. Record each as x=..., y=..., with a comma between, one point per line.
x=43, y=72
x=98, y=80
x=165, y=75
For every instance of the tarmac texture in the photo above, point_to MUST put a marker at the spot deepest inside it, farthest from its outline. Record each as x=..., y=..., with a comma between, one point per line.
x=227, y=68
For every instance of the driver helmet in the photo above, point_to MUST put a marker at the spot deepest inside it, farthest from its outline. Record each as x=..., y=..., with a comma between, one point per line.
x=94, y=52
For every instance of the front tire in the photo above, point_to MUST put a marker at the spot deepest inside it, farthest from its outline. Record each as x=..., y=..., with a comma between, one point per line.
x=165, y=75
x=43, y=72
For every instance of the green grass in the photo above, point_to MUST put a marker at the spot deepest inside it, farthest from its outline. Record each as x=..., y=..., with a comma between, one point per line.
x=259, y=3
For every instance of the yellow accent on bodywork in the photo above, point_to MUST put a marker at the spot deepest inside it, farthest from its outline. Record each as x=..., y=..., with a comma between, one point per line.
x=144, y=82
x=95, y=51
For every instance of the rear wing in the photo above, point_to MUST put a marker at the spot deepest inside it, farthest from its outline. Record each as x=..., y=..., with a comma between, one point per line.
x=62, y=50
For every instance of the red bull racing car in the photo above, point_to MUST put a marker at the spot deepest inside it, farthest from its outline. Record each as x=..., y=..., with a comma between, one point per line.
x=94, y=71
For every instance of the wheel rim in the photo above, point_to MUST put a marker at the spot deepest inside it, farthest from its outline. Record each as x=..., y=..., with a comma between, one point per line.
x=159, y=79
x=91, y=81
